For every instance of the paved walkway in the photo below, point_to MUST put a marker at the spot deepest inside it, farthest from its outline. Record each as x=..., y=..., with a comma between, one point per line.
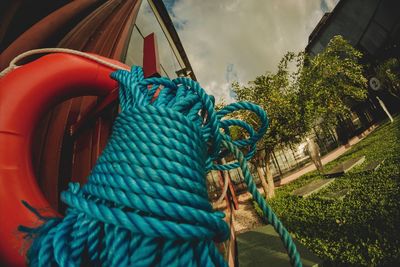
x=325, y=159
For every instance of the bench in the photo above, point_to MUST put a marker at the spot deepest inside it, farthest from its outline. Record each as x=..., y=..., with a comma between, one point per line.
x=263, y=247
x=372, y=166
x=345, y=167
x=336, y=195
x=312, y=187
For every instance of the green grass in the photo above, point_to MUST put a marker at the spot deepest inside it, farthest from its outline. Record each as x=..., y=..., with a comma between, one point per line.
x=364, y=227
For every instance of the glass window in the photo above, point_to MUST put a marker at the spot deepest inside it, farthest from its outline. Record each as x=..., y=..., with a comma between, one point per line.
x=146, y=23
x=134, y=56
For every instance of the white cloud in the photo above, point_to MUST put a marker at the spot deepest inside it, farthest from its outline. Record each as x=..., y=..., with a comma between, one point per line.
x=252, y=35
x=330, y=4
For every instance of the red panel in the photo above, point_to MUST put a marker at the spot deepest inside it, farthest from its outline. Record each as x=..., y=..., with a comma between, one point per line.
x=37, y=146
x=96, y=142
x=49, y=174
x=231, y=191
x=82, y=150
x=94, y=113
x=151, y=65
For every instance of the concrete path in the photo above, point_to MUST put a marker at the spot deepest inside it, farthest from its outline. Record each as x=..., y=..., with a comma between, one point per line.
x=325, y=159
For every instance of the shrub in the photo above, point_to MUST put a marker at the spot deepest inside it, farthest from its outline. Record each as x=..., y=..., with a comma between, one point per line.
x=363, y=228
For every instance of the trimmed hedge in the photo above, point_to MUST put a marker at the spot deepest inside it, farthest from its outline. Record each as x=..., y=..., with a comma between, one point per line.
x=364, y=227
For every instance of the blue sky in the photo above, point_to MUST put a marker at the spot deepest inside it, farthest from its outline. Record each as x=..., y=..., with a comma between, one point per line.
x=230, y=40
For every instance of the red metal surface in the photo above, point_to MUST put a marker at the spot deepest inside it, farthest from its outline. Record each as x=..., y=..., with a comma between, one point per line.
x=21, y=112
x=233, y=196
x=82, y=148
x=120, y=48
x=151, y=65
x=230, y=196
x=49, y=182
x=96, y=142
x=39, y=137
x=87, y=119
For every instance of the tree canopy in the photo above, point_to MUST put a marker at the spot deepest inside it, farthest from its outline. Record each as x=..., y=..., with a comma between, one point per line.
x=275, y=93
x=332, y=81
x=388, y=72
x=305, y=90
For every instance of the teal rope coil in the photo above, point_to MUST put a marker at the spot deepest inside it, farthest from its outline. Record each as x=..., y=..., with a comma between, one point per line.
x=145, y=202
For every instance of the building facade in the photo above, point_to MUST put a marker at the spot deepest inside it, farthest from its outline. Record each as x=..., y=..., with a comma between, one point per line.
x=372, y=27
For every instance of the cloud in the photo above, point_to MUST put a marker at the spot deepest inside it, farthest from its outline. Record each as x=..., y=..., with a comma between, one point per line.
x=251, y=35
x=328, y=5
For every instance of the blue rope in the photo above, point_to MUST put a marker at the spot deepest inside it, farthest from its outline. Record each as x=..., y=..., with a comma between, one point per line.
x=145, y=202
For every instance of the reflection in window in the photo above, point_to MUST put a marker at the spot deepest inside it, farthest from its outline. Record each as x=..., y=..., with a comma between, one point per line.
x=147, y=23
x=134, y=56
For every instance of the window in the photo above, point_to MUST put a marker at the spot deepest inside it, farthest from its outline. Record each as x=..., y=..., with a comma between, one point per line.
x=146, y=23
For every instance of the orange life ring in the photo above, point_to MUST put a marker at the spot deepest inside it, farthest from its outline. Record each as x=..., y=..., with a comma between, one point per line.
x=26, y=94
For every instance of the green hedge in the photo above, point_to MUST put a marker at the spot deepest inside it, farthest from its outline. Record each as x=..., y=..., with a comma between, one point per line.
x=364, y=227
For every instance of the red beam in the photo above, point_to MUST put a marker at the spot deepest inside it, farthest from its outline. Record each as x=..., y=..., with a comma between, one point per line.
x=151, y=65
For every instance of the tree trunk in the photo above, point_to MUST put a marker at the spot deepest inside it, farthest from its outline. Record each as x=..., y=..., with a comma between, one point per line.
x=270, y=178
x=264, y=184
x=267, y=182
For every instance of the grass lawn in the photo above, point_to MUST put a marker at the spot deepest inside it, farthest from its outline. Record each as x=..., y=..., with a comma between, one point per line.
x=364, y=227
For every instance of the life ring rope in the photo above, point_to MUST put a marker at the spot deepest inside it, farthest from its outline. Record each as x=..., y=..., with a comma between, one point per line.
x=13, y=64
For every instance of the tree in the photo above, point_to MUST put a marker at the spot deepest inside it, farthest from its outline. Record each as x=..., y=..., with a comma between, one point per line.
x=332, y=81
x=304, y=90
x=276, y=93
x=388, y=72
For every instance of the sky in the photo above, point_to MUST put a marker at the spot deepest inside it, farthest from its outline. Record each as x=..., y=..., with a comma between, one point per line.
x=237, y=40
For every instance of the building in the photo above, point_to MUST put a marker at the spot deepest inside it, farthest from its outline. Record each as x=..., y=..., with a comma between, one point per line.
x=371, y=26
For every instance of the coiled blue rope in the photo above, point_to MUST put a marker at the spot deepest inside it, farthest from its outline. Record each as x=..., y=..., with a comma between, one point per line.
x=145, y=202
